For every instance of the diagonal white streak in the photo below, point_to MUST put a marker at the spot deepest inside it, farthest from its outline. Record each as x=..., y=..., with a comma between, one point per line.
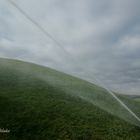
x=44, y=31
x=47, y=34
x=122, y=103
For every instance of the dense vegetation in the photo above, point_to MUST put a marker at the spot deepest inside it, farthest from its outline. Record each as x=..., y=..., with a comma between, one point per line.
x=138, y=99
x=34, y=108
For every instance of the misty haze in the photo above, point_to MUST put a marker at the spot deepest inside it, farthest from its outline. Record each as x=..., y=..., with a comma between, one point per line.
x=69, y=70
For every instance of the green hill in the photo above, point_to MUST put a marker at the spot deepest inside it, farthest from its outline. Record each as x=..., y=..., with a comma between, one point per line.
x=135, y=97
x=38, y=103
x=138, y=99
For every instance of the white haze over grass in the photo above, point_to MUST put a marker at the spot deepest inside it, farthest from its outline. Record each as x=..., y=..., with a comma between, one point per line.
x=104, y=37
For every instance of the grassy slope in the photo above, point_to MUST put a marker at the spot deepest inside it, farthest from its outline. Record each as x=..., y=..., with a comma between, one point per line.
x=138, y=99
x=40, y=103
x=135, y=97
x=132, y=101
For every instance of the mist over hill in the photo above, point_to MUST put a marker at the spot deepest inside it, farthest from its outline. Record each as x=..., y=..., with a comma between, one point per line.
x=37, y=102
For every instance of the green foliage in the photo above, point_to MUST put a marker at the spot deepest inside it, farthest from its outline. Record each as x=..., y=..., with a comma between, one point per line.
x=36, y=109
x=138, y=99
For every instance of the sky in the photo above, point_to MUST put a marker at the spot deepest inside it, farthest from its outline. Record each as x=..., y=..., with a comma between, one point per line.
x=99, y=39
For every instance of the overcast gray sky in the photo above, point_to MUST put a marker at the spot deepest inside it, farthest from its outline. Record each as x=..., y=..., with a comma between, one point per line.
x=102, y=36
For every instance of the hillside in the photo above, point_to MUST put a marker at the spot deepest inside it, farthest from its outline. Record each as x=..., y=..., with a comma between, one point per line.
x=39, y=103
x=137, y=99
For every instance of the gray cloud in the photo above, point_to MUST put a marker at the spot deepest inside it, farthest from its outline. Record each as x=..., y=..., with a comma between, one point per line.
x=103, y=37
